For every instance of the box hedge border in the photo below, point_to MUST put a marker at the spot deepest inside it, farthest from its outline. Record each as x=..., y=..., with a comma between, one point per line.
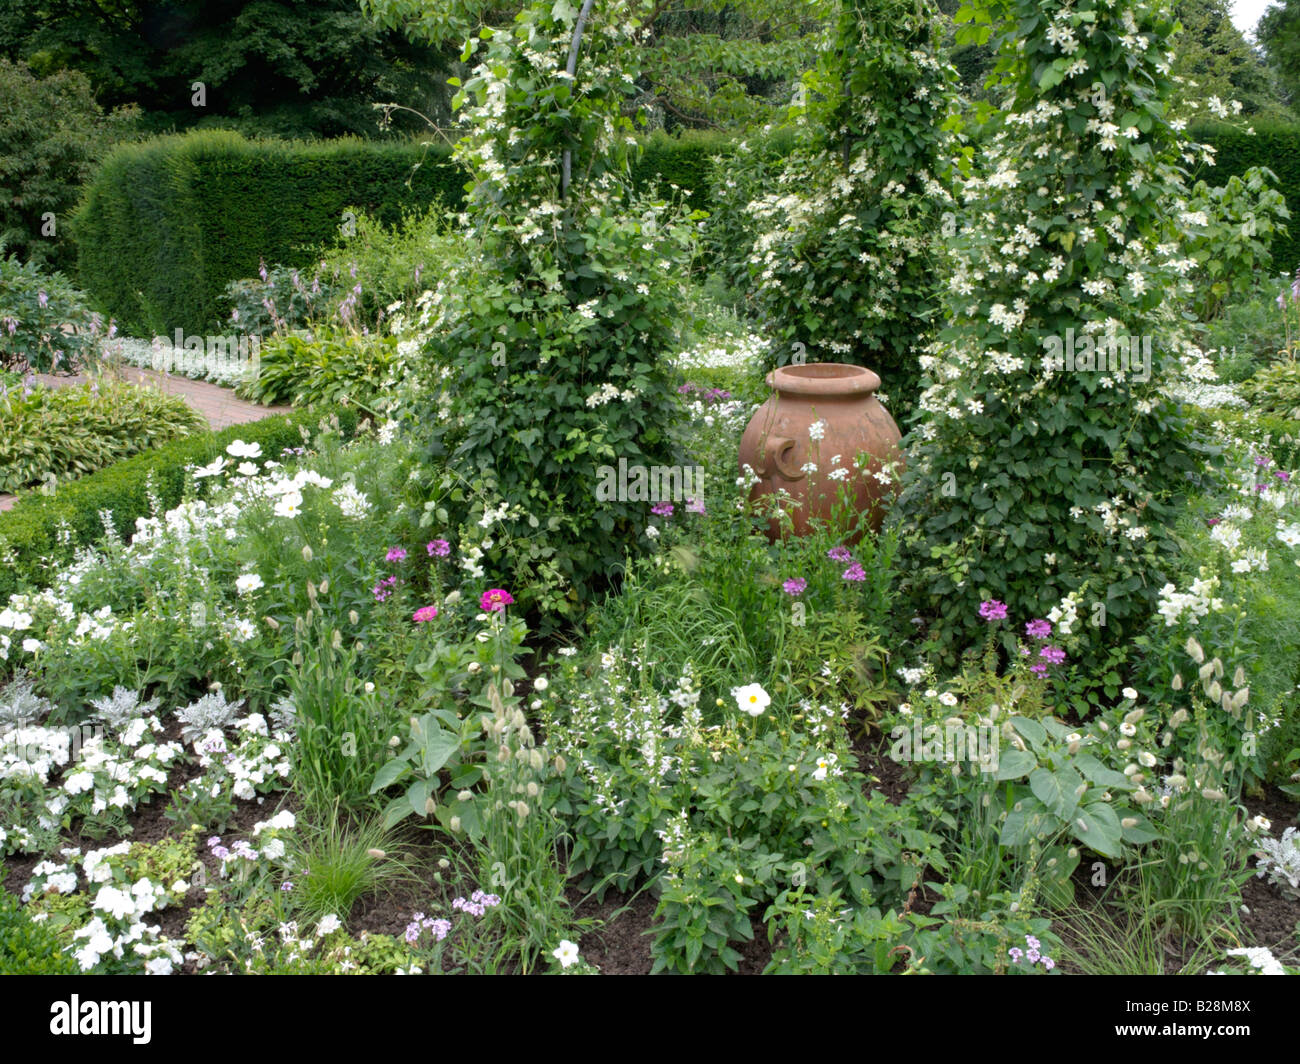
x=29, y=532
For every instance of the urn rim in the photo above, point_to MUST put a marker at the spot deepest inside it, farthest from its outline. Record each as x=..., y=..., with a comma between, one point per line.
x=825, y=379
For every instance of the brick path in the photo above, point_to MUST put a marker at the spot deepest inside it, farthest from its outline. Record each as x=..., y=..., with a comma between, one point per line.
x=219, y=405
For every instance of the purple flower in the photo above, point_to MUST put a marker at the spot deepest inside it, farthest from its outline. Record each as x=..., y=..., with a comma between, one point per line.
x=1263, y=460
x=220, y=852
x=839, y=554
x=439, y=929
x=1016, y=953
x=1052, y=655
x=438, y=548
x=1038, y=628
x=1213, y=521
x=993, y=610
x=1032, y=942
x=795, y=585
x=1038, y=670
x=855, y=572
x=412, y=932
x=395, y=554
x=1048, y=963
x=42, y=299
x=1282, y=475
x=1032, y=956
x=662, y=509
x=287, y=885
x=214, y=841
x=695, y=506
x=384, y=588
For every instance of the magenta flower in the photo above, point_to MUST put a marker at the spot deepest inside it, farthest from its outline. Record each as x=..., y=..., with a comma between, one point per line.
x=1052, y=655
x=1038, y=628
x=395, y=554
x=795, y=585
x=439, y=548
x=1038, y=670
x=1282, y=475
x=1213, y=521
x=495, y=600
x=839, y=554
x=993, y=610
x=384, y=588
x=855, y=572
x=662, y=509
x=424, y=613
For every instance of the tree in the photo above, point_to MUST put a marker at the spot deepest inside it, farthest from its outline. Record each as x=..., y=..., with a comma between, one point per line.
x=52, y=132
x=701, y=62
x=1216, y=60
x=1278, y=33
x=291, y=67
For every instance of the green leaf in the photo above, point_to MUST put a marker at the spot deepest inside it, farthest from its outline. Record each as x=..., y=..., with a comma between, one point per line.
x=1057, y=790
x=388, y=775
x=1014, y=764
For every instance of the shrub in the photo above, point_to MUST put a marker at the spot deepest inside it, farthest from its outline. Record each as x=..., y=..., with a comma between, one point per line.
x=1275, y=390
x=1243, y=216
x=166, y=225
x=278, y=298
x=1034, y=479
x=325, y=367
x=571, y=312
x=28, y=947
x=843, y=270
x=56, y=433
x=44, y=323
x=51, y=134
x=47, y=528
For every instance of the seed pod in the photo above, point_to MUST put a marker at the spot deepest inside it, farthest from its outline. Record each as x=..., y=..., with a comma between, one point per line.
x=1134, y=715
x=1194, y=649
x=306, y=552
x=430, y=806
x=1240, y=698
x=535, y=759
x=560, y=763
x=1239, y=677
x=454, y=823
x=324, y=587
x=337, y=641
x=378, y=855
x=272, y=622
x=1214, y=691
x=1177, y=682
x=532, y=789
x=503, y=753
x=353, y=617
x=1205, y=671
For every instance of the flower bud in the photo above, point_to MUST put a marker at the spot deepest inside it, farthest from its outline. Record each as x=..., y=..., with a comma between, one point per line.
x=272, y=622
x=454, y=823
x=430, y=806
x=1135, y=715
x=378, y=855
x=324, y=587
x=503, y=753
x=560, y=763
x=532, y=789
x=1214, y=691
x=1177, y=682
x=1194, y=650
x=465, y=796
x=306, y=552
x=353, y=617
x=1129, y=822
x=451, y=598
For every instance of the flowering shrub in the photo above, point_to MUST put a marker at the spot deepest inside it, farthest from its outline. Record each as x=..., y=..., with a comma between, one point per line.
x=572, y=292
x=44, y=323
x=845, y=265
x=1030, y=474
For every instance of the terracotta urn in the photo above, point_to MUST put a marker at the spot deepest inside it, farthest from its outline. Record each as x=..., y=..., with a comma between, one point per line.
x=779, y=446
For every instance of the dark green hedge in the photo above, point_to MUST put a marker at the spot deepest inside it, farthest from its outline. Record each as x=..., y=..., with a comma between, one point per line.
x=29, y=533
x=165, y=225
x=1278, y=148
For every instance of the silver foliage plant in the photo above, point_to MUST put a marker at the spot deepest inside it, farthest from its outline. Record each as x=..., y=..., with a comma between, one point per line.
x=122, y=707
x=20, y=705
x=209, y=712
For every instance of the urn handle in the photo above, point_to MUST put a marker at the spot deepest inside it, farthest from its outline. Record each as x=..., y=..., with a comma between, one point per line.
x=776, y=452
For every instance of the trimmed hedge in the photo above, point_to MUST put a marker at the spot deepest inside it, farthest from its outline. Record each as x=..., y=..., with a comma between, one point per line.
x=1274, y=146
x=165, y=225
x=29, y=533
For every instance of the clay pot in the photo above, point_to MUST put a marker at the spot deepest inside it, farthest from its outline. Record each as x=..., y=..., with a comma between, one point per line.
x=776, y=443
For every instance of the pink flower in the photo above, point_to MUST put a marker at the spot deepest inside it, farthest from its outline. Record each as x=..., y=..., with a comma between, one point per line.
x=993, y=610
x=1038, y=670
x=439, y=548
x=1052, y=655
x=495, y=600
x=424, y=613
x=395, y=554
x=1038, y=629
x=839, y=554
x=662, y=509
x=795, y=585
x=1282, y=475
x=695, y=506
x=855, y=572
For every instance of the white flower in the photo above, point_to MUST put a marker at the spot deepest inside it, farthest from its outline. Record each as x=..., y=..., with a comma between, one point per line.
x=240, y=449
x=246, y=469
x=948, y=698
x=289, y=505
x=328, y=925
x=541, y=684
x=1130, y=694
x=248, y=583
x=752, y=699
x=215, y=469
x=566, y=953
